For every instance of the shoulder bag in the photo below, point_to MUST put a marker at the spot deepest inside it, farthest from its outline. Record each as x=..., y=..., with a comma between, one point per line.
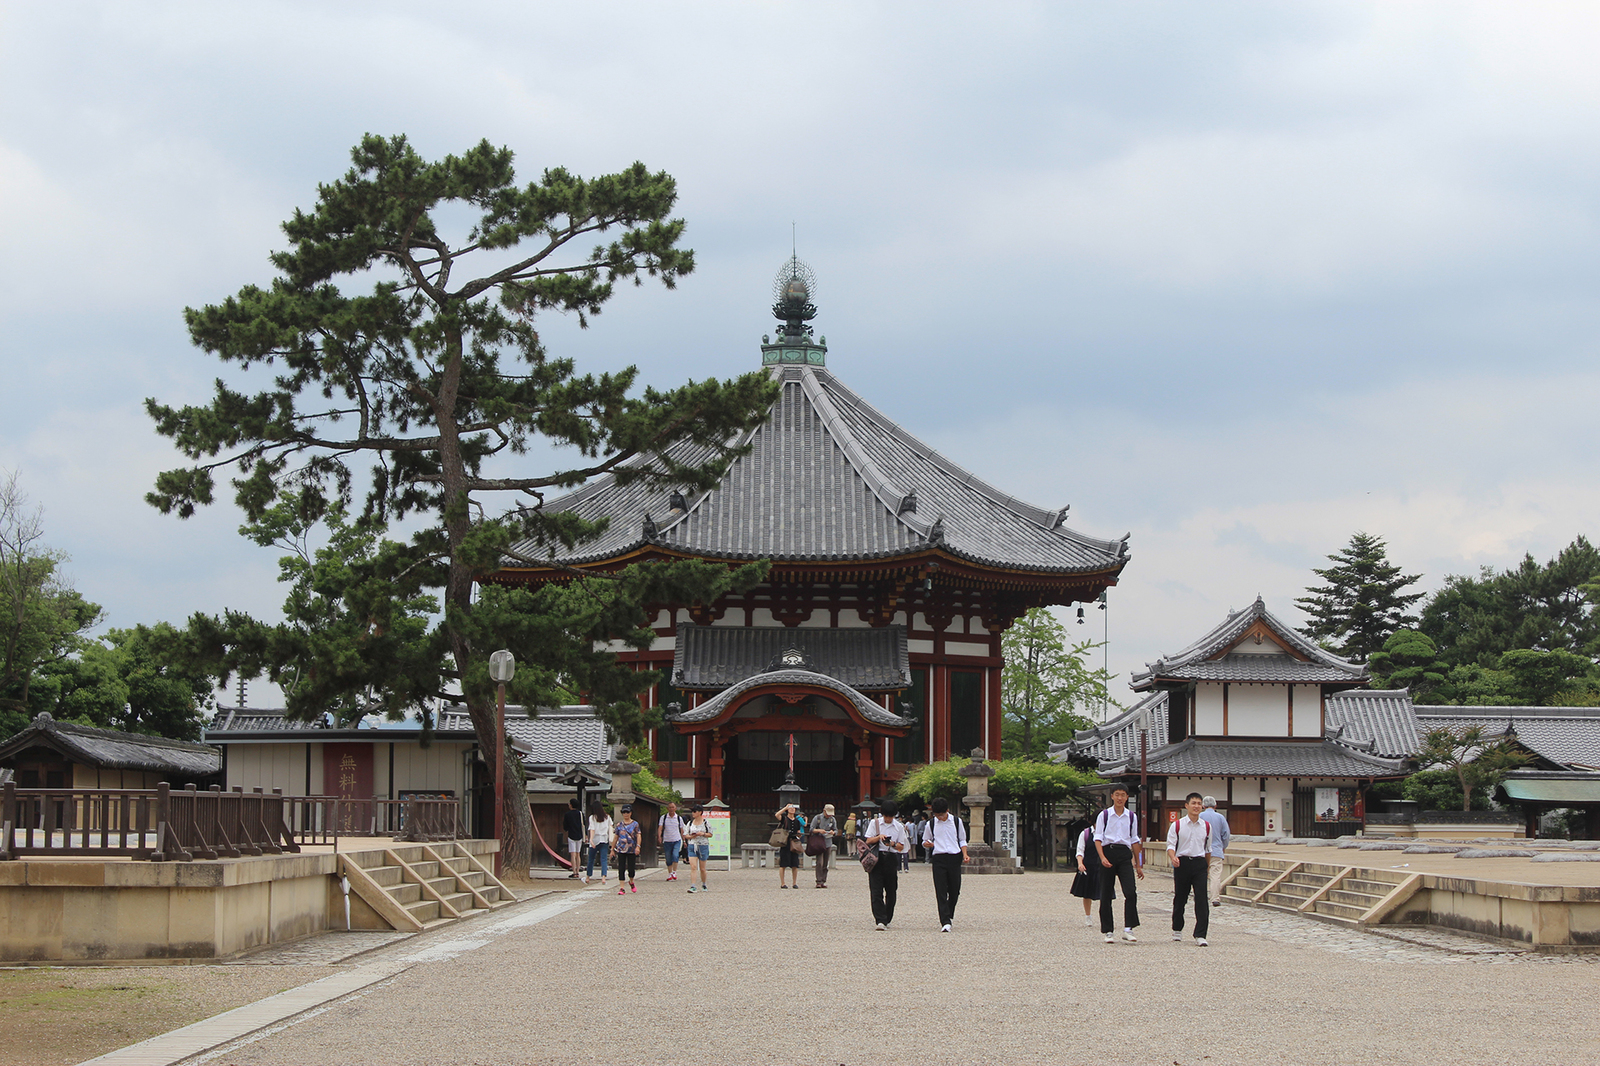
x=779, y=837
x=866, y=852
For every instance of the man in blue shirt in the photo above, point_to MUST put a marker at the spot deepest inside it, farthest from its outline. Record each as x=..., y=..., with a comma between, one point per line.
x=1219, y=843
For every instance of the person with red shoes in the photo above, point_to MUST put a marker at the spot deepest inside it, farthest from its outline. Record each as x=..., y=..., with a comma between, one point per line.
x=625, y=850
x=669, y=834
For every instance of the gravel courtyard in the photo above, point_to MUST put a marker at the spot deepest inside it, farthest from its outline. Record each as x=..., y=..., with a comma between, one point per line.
x=750, y=974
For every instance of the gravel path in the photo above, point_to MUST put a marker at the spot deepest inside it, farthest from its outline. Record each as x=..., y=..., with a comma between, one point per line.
x=768, y=976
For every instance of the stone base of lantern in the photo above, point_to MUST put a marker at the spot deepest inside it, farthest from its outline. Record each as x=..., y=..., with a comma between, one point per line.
x=990, y=859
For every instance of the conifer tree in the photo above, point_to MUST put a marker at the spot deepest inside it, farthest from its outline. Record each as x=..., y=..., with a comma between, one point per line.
x=1362, y=602
x=414, y=384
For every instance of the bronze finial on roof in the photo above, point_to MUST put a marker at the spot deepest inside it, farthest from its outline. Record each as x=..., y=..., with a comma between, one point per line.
x=792, y=291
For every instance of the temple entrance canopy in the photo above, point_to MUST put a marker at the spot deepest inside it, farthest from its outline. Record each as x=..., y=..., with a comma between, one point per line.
x=894, y=573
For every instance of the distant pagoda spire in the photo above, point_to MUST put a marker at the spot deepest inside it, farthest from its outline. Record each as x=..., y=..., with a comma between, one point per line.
x=792, y=293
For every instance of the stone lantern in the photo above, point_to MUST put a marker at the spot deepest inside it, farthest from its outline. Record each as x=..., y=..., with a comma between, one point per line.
x=977, y=773
x=622, y=771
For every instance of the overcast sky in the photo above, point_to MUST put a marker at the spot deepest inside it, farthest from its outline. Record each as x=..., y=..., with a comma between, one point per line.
x=1238, y=278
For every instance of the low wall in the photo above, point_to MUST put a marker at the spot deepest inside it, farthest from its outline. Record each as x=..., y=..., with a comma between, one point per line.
x=86, y=910
x=1545, y=917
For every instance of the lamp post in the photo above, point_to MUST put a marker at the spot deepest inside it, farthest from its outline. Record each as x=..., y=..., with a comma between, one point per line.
x=502, y=667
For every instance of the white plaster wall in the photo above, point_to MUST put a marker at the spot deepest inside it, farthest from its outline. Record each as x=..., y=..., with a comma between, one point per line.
x=921, y=647
x=439, y=767
x=849, y=618
x=1258, y=710
x=919, y=621
x=270, y=766
x=1267, y=646
x=762, y=616
x=962, y=647
x=1280, y=796
x=1308, y=710
x=1208, y=709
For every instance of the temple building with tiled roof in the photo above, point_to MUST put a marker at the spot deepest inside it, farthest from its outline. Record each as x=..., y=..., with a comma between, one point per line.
x=875, y=642
x=1284, y=734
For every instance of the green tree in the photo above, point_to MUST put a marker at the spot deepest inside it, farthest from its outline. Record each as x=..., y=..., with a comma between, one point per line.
x=1476, y=760
x=137, y=680
x=1543, y=607
x=1409, y=660
x=1046, y=687
x=1013, y=780
x=1362, y=602
x=421, y=380
x=43, y=619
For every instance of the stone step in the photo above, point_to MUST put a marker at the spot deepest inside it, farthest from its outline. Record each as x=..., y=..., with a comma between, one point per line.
x=1371, y=888
x=1365, y=900
x=1339, y=910
x=404, y=894
x=424, y=911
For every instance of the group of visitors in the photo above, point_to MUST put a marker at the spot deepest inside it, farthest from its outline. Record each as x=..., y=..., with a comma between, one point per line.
x=1111, y=850
x=1109, y=853
x=795, y=835
x=621, y=840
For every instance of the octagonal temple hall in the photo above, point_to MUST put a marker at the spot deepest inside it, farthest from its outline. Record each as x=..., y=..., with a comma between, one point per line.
x=875, y=642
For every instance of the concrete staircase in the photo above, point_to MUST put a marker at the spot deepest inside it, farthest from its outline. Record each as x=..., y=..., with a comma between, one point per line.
x=1346, y=894
x=412, y=887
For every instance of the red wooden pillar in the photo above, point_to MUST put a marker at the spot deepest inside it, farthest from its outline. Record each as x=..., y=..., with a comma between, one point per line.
x=939, y=711
x=715, y=761
x=864, y=765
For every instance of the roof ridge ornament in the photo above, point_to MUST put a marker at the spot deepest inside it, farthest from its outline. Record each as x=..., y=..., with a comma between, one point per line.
x=936, y=531
x=792, y=293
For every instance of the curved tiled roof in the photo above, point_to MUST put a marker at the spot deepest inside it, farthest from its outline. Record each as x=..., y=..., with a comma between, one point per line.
x=112, y=749
x=713, y=707
x=1118, y=738
x=1233, y=758
x=1203, y=661
x=714, y=657
x=1383, y=717
x=829, y=477
x=1566, y=736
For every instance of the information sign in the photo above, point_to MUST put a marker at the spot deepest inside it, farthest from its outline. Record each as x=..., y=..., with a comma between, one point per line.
x=721, y=823
x=1005, y=831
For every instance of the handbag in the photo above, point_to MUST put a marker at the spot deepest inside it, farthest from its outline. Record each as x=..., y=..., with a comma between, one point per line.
x=816, y=844
x=779, y=837
x=797, y=847
x=867, y=855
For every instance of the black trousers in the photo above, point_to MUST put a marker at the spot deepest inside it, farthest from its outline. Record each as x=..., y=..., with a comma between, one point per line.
x=1121, y=858
x=884, y=881
x=1191, y=874
x=946, y=885
x=627, y=863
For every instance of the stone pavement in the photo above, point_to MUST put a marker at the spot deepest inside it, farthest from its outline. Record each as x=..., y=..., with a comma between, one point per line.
x=747, y=973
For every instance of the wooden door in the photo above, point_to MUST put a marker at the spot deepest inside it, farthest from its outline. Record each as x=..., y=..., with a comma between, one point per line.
x=1244, y=821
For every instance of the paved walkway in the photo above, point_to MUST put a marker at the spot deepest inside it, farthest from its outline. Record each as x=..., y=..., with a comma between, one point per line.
x=750, y=974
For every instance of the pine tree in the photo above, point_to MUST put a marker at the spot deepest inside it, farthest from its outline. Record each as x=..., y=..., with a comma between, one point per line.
x=415, y=384
x=1362, y=603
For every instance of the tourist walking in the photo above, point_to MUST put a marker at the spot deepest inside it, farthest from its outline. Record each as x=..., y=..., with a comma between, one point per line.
x=827, y=827
x=669, y=834
x=888, y=837
x=1221, y=836
x=1116, y=841
x=1189, y=849
x=788, y=858
x=627, y=852
x=697, y=842
x=572, y=829
x=599, y=836
x=1086, y=883
x=944, y=842
x=848, y=839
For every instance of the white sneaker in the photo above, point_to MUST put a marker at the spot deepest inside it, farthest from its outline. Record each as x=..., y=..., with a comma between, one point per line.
x=1089, y=921
x=1177, y=938
x=1200, y=942
x=945, y=928
x=1111, y=938
x=1127, y=934
x=881, y=927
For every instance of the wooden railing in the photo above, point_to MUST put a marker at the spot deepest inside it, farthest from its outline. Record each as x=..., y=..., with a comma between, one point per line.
x=165, y=824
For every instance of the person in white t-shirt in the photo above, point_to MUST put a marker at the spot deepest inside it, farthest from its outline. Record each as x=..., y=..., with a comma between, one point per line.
x=669, y=834
x=889, y=836
x=599, y=833
x=1118, y=843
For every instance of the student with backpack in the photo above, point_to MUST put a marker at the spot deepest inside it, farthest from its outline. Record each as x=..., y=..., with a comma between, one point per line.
x=944, y=841
x=1189, y=849
x=1117, y=841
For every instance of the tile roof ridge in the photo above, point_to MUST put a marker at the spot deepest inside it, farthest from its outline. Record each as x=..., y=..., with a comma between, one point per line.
x=891, y=495
x=92, y=732
x=1047, y=519
x=736, y=440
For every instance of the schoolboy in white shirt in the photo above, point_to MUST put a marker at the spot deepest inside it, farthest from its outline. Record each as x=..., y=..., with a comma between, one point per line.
x=1189, y=849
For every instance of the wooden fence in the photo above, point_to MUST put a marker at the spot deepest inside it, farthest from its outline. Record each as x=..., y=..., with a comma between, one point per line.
x=165, y=824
